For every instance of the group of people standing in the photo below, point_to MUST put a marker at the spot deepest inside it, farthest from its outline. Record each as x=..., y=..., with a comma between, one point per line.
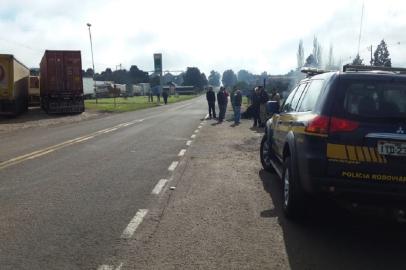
x=222, y=101
x=259, y=99
x=156, y=90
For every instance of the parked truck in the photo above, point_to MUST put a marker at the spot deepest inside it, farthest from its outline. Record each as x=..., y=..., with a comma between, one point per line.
x=34, y=91
x=13, y=85
x=61, y=82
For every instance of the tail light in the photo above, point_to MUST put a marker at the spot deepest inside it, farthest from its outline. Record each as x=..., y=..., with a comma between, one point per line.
x=342, y=125
x=324, y=125
x=319, y=124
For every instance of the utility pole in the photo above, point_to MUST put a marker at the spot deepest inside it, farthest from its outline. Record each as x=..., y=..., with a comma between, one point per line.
x=94, y=72
x=372, y=61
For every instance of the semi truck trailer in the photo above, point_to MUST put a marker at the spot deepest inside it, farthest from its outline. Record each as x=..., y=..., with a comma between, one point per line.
x=13, y=85
x=61, y=86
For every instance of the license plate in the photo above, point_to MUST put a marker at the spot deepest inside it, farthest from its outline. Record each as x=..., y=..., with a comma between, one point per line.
x=392, y=148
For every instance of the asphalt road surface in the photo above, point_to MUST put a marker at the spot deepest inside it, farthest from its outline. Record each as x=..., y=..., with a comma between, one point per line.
x=68, y=192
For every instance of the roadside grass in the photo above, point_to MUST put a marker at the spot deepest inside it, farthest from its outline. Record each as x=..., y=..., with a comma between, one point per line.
x=129, y=104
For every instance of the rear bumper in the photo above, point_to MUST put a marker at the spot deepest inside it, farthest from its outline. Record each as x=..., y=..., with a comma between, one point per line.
x=362, y=191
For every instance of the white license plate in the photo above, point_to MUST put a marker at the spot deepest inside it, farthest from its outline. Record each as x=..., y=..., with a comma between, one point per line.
x=392, y=148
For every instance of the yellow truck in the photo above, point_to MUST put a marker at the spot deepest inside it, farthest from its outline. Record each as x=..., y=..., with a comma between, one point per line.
x=14, y=85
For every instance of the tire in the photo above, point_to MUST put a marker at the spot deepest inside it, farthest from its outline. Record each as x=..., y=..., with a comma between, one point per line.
x=294, y=203
x=265, y=154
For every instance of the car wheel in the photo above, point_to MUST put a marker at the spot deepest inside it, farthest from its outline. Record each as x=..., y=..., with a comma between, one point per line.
x=265, y=154
x=293, y=195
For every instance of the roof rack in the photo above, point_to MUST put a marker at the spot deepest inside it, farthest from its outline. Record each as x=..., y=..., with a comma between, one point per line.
x=309, y=71
x=356, y=68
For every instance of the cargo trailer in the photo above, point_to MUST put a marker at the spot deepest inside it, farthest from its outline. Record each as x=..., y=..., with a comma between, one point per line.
x=13, y=85
x=61, y=86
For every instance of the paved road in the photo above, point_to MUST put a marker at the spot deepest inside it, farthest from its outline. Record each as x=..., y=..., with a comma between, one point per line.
x=67, y=192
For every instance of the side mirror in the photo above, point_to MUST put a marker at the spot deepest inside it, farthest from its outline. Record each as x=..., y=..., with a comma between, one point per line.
x=272, y=107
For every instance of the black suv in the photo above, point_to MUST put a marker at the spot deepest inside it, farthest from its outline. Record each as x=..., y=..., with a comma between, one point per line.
x=340, y=133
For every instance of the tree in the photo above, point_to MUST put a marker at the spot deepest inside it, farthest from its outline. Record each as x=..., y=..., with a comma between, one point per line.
x=300, y=55
x=357, y=61
x=242, y=85
x=88, y=73
x=246, y=76
x=203, y=80
x=214, y=78
x=193, y=77
x=317, y=52
x=229, y=78
x=330, y=63
x=137, y=76
x=311, y=61
x=381, y=56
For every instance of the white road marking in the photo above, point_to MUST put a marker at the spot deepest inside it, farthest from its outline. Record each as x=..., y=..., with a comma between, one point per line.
x=188, y=143
x=134, y=223
x=119, y=267
x=105, y=267
x=158, y=188
x=173, y=166
x=207, y=116
x=182, y=153
x=200, y=127
x=196, y=131
x=193, y=136
x=50, y=149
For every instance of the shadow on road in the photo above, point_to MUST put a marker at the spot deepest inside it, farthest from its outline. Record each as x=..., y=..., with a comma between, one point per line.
x=332, y=237
x=33, y=114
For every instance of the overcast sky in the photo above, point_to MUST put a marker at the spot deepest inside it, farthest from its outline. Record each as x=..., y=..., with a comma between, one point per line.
x=210, y=34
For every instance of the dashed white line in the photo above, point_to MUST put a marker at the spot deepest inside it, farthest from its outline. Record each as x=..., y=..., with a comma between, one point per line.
x=158, y=188
x=105, y=267
x=188, y=143
x=196, y=131
x=173, y=166
x=193, y=136
x=207, y=116
x=134, y=223
x=182, y=153
x=200, y=127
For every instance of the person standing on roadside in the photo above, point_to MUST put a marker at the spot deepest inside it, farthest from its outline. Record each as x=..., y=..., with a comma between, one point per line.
x=262, y=109
x=211, y=101
x=237, y=106
x=165, y=96
x=222, y=103
x=256, y=103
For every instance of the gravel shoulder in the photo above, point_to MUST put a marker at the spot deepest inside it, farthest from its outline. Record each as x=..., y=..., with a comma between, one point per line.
x=217, y=217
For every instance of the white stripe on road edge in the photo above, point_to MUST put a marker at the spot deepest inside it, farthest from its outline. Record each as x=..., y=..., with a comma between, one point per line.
x=109, y=267
x=188, y=143
x=134, y=223
x=158, y=188
x=105, y=267
x=173, y=166
x=200, y=127
x=206, y=117
x=182, y=153
x=193, y=136
x=196, y=131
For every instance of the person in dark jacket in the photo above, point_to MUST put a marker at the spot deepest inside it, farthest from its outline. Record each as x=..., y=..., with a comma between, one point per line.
x=263, y=113
x=165, y=96
x=256, y=103
x=237, y=106
x=211, y=101
x=222, y=103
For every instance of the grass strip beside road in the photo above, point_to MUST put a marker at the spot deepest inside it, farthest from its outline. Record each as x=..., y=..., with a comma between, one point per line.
x=129, y=104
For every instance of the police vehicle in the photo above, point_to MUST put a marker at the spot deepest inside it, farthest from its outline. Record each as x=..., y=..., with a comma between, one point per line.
x=340, y=133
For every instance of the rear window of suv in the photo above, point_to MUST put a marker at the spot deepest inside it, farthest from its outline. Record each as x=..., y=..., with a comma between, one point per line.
x=372, y=99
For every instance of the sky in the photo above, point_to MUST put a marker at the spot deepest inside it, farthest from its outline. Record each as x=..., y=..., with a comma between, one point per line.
x=256, y=35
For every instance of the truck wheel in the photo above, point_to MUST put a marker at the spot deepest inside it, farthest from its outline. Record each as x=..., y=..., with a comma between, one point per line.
x=294, y=204
x=265, y=154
